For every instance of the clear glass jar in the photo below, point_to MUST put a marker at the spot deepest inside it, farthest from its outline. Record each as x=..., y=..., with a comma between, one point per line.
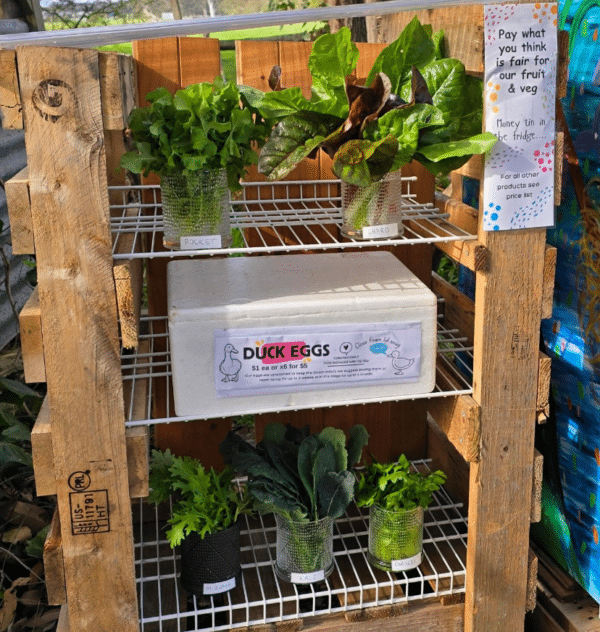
x=374, y=211
x=304, y=550
x=395, y=538
x=196, y=210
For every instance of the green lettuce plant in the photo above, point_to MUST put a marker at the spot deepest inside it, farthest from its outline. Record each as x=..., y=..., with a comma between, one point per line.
x=416, y=105
x=204, y=126
x=204, y=501
x=300, y=476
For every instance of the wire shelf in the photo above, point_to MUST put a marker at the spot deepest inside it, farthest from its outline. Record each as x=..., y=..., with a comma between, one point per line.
x=152, y=361
x=262, y=598
x=285, y=216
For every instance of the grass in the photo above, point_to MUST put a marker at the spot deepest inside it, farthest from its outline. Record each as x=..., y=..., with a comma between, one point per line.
x=228, y=56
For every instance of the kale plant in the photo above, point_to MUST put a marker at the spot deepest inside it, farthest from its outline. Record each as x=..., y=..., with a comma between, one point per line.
x=303, y=477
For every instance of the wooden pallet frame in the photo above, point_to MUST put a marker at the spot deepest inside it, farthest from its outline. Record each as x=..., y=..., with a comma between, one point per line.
x=67, y=178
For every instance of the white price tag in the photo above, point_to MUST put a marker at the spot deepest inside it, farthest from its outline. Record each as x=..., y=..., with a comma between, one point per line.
x=219, y=587
x=200, y=242
x=407, y=563
x=307, y=578
x=384, y=230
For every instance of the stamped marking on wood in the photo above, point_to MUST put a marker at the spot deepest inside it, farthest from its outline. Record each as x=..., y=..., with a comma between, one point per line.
x=80, y=481
x=52, y=98
x=520, y=344
x=89, y=512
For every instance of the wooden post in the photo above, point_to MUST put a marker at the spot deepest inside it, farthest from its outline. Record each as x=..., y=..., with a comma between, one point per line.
x=60, y=93
x=508, y=306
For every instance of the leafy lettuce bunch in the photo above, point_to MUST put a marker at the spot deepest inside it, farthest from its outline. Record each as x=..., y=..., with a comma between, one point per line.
x=201, y=127
x=204, y=501
x=395, y=486
x=415, y=104
x=300, y=476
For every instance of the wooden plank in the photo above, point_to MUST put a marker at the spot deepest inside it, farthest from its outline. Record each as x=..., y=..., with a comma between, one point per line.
x=471, y=254
x=129, y=281
x=548, y=281
x=67, y=171
x=532, y=572
x=461, y=214
x=137, y=442
x=32, y=345
x=446, y=457
x=575, y=615
x=536, y=493
x=157, y=64
x=136, y=439
x=63, y=620
x=553, y=579
x=199, y=60
x=543, y=397
x=505, y=385
x=473, y=168
x=432, y=617
x=460, y=419
x=459, y=309
x=19, y=213
x=117, y=88
x=54, y=569
x=10, y=98
x=463, y=30
x=562, y=70
x=41, y=450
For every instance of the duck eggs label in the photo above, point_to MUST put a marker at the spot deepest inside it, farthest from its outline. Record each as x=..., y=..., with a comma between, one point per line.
x=287, y=359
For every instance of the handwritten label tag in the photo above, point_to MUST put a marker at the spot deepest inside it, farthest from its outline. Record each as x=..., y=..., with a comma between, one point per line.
x=219, y=587
x=200, y=242
x=384, y=230
x=407, y=563
x=519, y=92
x=307, y=578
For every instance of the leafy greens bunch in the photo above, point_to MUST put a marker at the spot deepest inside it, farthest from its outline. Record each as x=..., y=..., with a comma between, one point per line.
x=415, y=104
x=201, y=127
x=300, y=476
x=395, y=486
x=204, y=501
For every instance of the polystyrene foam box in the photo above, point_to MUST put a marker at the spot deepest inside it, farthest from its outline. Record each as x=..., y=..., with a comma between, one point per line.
x=256, y=334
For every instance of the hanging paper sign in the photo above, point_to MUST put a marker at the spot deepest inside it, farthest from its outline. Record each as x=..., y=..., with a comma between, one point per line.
x=520, y=86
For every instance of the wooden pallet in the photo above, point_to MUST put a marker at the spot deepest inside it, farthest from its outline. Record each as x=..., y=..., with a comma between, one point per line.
x=562, y=604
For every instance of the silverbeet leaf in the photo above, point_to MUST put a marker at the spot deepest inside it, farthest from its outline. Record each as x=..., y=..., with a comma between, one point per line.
x=293, y=139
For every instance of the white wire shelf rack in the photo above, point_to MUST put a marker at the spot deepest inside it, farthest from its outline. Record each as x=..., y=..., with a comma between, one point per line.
x=261, y=598
x=284, y=216
x=151, y=361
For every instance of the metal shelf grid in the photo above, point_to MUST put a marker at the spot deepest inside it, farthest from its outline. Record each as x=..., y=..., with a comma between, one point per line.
x=285, y=216
x=152, y=361
x=261, y=598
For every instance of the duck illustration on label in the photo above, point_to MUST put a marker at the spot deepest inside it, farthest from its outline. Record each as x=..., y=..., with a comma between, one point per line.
x=230, y=367
x=399, y=363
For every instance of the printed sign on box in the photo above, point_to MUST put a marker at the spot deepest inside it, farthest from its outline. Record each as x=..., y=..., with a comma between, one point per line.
x=520, y=87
